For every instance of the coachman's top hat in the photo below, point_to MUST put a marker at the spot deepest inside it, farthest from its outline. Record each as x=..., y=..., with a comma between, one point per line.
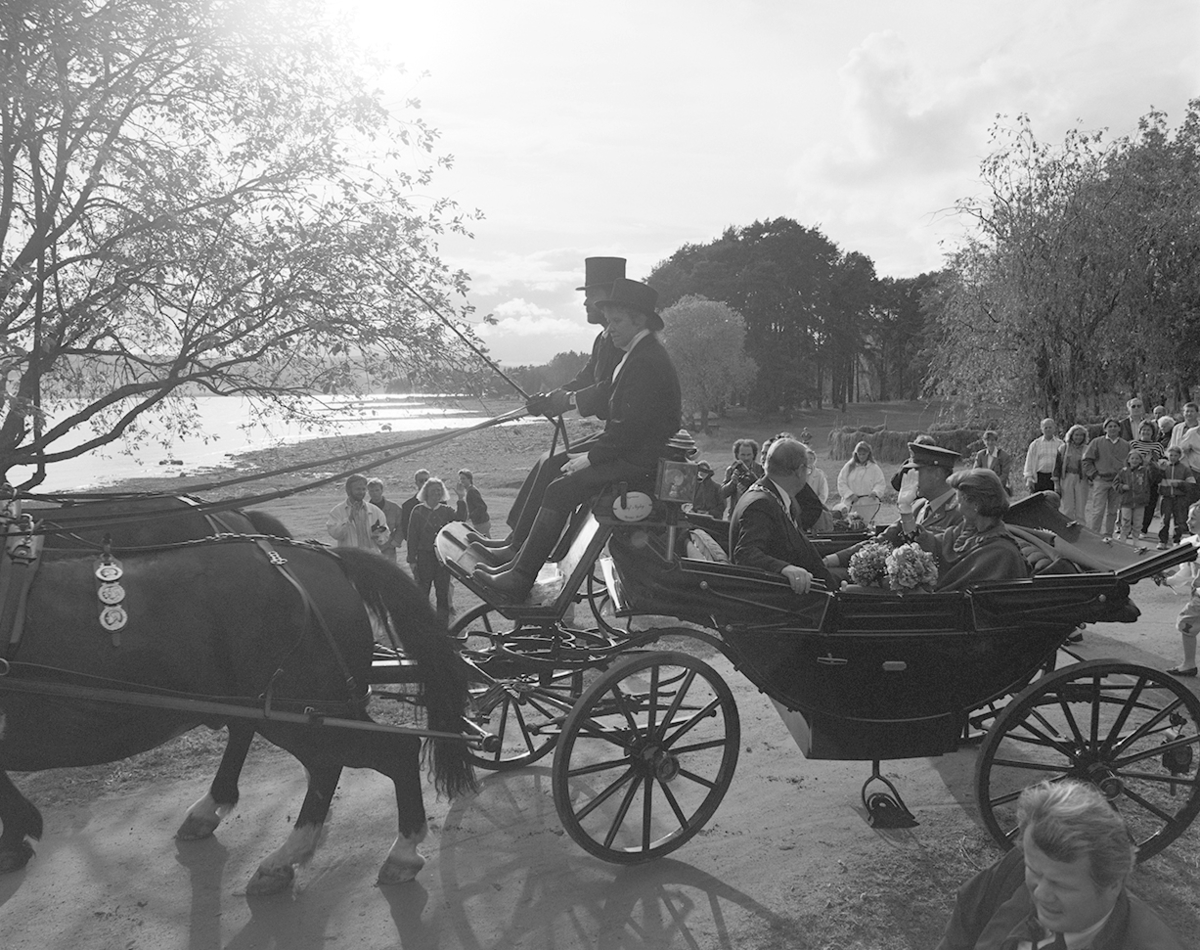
x=601, y=271
x=636, y=296
x=925, y=454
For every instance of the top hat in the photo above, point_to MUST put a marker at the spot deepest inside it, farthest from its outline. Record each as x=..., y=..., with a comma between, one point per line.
x=601, y=271
x=636, y=296
x=925, y=454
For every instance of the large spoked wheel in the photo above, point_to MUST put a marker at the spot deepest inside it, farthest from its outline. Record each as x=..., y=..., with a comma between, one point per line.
x=524, y=709
x=1129, y=730
x=646, y=756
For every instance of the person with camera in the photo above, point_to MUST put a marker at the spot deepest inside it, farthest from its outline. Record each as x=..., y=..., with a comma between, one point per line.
x=743, y=473
x=355, y=522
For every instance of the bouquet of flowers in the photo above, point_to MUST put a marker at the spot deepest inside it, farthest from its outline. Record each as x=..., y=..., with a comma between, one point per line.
x=909, y=567
x=868, y=565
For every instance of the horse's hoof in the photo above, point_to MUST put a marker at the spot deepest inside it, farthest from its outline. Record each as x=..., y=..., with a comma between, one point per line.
x=13, y=859
x=195, y=828
x=400, y=872
x=270, y=881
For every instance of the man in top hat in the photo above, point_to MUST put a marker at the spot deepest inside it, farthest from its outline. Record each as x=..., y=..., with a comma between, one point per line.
x=765, y=528
x=590, y=387
x=587, y=392
x=643, y=414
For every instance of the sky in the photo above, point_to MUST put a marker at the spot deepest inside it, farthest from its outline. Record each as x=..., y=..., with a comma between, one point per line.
x=632, y=128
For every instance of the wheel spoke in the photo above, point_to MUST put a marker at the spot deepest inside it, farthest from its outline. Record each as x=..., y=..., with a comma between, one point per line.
x=700, y=715
x=1159, y=813
x=619, y=818
x=604, y=795
x=679, y=738
x=1129, y=730
x=669, y=718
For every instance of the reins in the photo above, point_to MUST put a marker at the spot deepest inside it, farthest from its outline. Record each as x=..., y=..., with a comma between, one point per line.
x=402, y=449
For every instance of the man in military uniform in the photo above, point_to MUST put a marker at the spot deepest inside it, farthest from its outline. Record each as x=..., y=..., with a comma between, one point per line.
x=936, y=508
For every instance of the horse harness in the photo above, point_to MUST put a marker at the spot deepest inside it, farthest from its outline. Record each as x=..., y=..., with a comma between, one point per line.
x=21, y=557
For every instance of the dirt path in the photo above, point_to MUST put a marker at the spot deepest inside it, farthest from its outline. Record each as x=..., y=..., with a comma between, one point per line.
x=788, y=861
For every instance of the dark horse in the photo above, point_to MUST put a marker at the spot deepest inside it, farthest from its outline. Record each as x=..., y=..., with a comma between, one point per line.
x=139, y=520
x=217, y=619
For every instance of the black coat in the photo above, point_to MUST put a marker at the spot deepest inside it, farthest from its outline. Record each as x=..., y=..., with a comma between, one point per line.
x=644, y=408
x=762, y=535
x=592, y=387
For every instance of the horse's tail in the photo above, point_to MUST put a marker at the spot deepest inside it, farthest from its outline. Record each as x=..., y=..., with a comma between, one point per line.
x=390, y=593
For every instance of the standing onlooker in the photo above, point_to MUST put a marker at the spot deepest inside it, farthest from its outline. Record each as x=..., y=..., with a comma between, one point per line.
x=1159, y=412
x=1042, y=457
x=1166, y=425
x=1133, y=419
x=818, y=481
x=391, y=512
x=1188, y=623
x=707, y=500
x=744, y=471
x=1191, y=418
x=1072, y=486
x=993, y=457
x=1148, y=444
x=426, y=520
x=861, y=476
x=420, y=477
x=1189, y=443
x=471, y=506
x=1102, y=459
x=1133, y=482
x=1174, y=488
x=356, y=523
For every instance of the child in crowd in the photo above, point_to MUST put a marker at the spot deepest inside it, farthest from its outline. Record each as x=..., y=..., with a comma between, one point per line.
x=1133, y=481
x=1173, y=492
x=1188, y=623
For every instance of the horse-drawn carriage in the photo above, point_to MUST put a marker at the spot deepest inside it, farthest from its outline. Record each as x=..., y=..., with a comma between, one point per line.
x=646, y=739
x=645, y=731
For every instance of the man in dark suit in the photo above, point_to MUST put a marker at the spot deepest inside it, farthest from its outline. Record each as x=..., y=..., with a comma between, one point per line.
x=643, y=414
x=588, y=393
x=765, y=531
x=1064, y=885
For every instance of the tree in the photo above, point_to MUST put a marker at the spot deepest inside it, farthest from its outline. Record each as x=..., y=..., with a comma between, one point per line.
x=199, y=196
x=805, y=305
x=1081, y=283
x=898, y=337
x=705, y=339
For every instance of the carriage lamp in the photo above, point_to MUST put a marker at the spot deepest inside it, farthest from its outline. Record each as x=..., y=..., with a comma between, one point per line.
x=675, y=487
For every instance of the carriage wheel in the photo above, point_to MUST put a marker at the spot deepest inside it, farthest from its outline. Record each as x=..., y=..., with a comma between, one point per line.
x=524, y=709
x=1129, y=730
x=646, y=756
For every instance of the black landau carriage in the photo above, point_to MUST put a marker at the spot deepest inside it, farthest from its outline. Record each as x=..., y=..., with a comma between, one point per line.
x=646, y=739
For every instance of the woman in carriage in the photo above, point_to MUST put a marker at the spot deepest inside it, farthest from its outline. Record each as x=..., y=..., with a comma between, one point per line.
x=980, y=548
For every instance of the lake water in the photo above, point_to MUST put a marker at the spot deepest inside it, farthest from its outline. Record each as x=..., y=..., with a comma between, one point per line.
x=231, y=427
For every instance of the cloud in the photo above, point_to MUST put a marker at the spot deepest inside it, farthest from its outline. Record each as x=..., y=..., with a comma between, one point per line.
x=519, y=317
